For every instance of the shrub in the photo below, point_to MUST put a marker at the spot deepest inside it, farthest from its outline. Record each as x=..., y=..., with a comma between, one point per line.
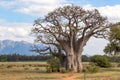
x=36, y=69
x=48, y=69
x=63, y=70
x=118, y=65
x=101, y=61
x=30, y=65
x=9, y=66
x=92, y=68
x=114, y=58
x=23, y=65
x=3, y=58
x=54, y=64
x=70, y=70
x=26, y=68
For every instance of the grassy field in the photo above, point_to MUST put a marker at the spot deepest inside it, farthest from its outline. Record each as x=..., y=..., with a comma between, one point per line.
x=27, y=71
x=104, y=74
x=36, y=71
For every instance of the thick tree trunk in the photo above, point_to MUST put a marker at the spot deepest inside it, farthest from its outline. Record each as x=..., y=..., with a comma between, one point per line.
x=70, y=58
x=74, y=58
x=79, y=59
x=79, y=66
x=71, y=63
x=74, y=62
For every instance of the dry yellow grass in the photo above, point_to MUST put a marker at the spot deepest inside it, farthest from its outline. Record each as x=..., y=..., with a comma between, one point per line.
x=104, y=74
x=31, y=71
x=27, y=71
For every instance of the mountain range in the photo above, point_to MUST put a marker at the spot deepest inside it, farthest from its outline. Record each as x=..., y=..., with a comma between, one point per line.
x=19, y=47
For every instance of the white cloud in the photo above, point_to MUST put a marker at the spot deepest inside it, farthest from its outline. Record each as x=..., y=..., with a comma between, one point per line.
x=95, y=46
x=32, y=7
x=7, y=4
x=88, y=7
x=15, y=31
x=112, y=12
x=42, y=7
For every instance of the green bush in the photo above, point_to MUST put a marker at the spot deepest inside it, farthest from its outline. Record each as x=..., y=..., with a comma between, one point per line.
x=92, y=68
x=63, y=70
x=3, y=58
x=101, y=61
x=54, y=64
x=48, y=69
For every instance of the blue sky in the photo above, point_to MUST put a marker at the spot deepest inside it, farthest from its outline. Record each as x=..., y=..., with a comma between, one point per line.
x=10, y=14
x=96, y=3
x=17, y=17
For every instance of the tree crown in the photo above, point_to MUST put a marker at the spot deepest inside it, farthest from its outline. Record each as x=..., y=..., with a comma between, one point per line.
x=70, y=21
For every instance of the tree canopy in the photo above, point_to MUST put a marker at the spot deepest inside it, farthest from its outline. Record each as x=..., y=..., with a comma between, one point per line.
x=113, y=47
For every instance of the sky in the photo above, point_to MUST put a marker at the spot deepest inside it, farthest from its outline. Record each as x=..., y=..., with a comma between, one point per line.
x=17, y=18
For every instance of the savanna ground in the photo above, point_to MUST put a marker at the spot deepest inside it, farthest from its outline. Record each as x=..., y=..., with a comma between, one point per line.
x=36, y=71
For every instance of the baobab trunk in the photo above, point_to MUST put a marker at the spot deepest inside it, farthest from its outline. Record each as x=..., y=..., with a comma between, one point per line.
x=70, y=58
x=74, y=62
x=71, y=63
x=79, y=59
x=79, y=63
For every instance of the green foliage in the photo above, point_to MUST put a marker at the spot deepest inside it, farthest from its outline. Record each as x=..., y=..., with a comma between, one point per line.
x=92, y=68
x=113, y=47
x=54, y=64
x=18, y=57
x=85, y=58
x=3, y=58
x=48, y=69
x=114, y=58
x=101, y=61
x=63, y=70
x=115, y=32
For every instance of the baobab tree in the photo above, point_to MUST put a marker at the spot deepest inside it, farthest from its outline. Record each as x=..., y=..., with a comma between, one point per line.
x=71, y=27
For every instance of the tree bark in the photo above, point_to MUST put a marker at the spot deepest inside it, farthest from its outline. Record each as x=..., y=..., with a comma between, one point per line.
x=74, y=62
x=79, y=62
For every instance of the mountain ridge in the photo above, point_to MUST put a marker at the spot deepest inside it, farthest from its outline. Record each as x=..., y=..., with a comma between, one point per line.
x=19, y=47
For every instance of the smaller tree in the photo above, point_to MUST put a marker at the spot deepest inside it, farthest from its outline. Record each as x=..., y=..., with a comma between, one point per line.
x=101, y=61
x=113, y=47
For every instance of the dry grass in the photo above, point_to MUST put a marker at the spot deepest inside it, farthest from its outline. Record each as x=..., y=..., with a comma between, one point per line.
x=32, y=71
x=104, y=74
x=29, y=76
x=27, y=71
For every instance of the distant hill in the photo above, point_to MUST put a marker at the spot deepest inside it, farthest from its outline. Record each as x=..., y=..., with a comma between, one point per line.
x=19, y=47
